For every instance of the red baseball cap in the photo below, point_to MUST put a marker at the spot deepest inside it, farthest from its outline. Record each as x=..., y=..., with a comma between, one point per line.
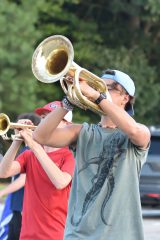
x=51, y=107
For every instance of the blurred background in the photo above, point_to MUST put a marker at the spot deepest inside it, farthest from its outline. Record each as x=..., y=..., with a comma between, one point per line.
x=115, y=34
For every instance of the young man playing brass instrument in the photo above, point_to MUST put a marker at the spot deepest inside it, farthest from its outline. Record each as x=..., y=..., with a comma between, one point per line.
x=48, y=181
x=104, y=201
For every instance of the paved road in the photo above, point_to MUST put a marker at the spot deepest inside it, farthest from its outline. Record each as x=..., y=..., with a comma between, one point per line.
x=152, y=228
x=151, y=220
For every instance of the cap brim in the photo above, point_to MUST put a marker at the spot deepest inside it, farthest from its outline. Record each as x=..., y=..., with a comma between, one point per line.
x=40, y=111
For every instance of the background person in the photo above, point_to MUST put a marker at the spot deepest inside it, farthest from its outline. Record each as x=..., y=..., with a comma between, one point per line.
x=12, y=214
x=48, y=180
x=11, y=217
x=104, y=201
x=6, y=213
x=19, y=182
x=5, y=218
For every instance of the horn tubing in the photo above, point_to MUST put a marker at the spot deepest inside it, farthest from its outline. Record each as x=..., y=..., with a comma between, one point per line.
x=53, y=60
x=5, y=124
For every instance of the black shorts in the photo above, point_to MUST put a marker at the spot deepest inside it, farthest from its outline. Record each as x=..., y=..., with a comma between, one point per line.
x=15, y=226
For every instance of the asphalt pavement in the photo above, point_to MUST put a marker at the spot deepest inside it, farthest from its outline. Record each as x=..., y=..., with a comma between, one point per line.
x=151, y=220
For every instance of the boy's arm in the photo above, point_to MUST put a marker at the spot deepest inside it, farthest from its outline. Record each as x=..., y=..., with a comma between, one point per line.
x=9, y=167
x=138, y=134
x=47, y=132
x=59, y=178
x=14, y=185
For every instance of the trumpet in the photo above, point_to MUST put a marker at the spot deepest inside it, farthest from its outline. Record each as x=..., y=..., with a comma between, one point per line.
x=53, y=60
x=6, y=124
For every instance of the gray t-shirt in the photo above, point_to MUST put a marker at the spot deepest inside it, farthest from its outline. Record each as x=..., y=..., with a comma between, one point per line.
x=104, y=200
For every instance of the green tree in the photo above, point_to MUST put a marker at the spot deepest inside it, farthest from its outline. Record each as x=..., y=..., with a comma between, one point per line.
x=114, y=34
x=18, y=36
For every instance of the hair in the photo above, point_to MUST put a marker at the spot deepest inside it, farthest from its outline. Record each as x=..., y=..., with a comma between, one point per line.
x=1, y=146
x=31, y=116
x=129, y=103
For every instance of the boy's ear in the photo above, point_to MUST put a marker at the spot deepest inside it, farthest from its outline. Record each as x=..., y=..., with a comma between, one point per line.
x=126, y=99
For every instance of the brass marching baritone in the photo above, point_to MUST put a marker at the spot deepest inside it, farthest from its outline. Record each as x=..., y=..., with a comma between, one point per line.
x=53, y=60
x=5, y=125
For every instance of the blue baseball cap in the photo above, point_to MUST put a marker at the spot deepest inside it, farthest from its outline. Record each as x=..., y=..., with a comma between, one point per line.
x=125, y=81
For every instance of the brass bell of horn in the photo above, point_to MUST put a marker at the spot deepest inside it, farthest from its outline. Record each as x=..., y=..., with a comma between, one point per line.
x=5, y=125
x=53, y=60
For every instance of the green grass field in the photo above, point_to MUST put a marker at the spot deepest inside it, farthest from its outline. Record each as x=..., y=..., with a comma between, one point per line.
x=2, y=186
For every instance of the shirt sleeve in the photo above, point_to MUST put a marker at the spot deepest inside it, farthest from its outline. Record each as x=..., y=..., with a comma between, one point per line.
x=68, y=163
x=22, y=159
x=140, y=155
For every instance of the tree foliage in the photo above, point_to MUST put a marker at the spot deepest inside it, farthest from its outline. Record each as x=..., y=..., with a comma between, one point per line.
x=16, y=48
x=113, y=34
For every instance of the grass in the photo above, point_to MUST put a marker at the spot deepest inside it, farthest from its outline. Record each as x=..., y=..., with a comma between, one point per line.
x=2, y=186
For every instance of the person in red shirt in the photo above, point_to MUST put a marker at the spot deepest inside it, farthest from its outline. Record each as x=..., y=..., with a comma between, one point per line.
x=49, y=173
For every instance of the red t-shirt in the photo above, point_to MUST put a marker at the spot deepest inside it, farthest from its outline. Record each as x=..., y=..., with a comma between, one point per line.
x=44, y=206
